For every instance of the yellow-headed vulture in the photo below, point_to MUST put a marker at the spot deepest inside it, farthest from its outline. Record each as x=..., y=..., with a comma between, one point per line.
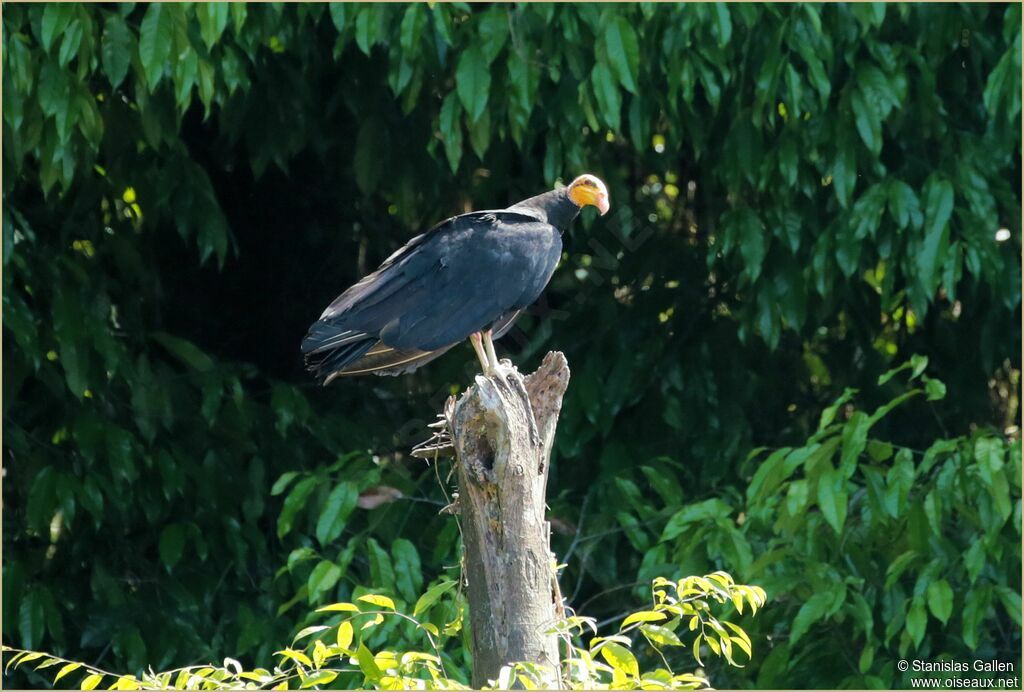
x=468, y=277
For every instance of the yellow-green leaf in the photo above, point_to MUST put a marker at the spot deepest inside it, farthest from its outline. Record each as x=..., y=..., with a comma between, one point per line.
x=296, y=656
x=69, y=668
x=621, y=658
x=377, y=600
x=312, y=629
x=90, y=681
x=642, y=616
x=322, y=677
x=345, y=635
x=339, y=608
x=661, y=635
x=367, y=664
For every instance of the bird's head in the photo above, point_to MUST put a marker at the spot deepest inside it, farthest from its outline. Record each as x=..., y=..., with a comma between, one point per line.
x=588, y=189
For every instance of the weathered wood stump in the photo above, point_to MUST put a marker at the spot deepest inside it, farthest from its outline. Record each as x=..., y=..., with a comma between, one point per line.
x=502, y=429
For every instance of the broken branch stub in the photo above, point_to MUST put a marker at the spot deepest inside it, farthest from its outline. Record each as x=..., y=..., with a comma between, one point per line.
x=502, y=430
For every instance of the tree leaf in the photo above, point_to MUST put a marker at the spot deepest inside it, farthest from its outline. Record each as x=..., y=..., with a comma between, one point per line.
x=938, y=206
x=320, y=677
x=753, y=242
x=524, y=81
x=832, y=498
x=297, y=656
x=917, y=620
x=855, y=435
x=295, y=501
x=1003, y=85
x=451, y=130
x=187, y=352
x=377, y=600
x=867, y=120
x=408, y=572
x=813, y=610
x=65, y=669
x=844, y=171
x=623, y=50
x=53, y=89
x=697, y=512
x=90, y=681
x=382, y=573
x=322, y=579
x=642, y=616
x=213, y=19
x=480, y=134
x=413, y=22
x=621, y=658
x=337, y=11
x=367, y=664
x=346, y=633
x=473, y=82
x=335, y=512
x=431, y=596
x=609, y=99
x=155, y=43
x=70, y=44
x=339, y=608
x=306, y=631
x=494, y=23
x=661, y=635
x=31, y=619
x=934, y=389
x=172, y=545
x=940, y=600
x=366, y=27
x=56, y=17
x=722, y=23
x=281, y=484
x=904, y=205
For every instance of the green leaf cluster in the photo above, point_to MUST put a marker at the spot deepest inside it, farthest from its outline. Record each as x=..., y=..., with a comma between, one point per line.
x=893, y=552
x=340, y=653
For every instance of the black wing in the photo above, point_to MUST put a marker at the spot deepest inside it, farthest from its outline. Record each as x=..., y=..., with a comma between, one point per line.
x=458, y=278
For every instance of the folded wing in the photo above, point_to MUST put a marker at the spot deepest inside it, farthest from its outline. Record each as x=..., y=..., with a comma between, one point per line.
x=464, y=275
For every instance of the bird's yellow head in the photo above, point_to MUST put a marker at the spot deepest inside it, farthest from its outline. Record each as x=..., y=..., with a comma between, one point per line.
x=588, y=189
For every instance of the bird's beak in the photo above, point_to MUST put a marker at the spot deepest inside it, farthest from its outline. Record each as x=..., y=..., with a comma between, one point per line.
x=602, y=204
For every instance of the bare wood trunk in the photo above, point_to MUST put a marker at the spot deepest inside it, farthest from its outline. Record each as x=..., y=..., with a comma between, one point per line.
x=502, y=430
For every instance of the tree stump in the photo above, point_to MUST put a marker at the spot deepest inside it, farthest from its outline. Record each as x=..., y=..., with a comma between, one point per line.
x=502, y=429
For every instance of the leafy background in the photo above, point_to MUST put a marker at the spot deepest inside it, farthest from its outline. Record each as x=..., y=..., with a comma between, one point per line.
x=803, y=198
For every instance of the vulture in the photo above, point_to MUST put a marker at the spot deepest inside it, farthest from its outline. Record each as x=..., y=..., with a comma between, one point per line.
x=468, y=277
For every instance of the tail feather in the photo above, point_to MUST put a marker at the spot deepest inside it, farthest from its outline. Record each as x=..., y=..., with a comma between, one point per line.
x=326, y=362
x=382, y=360
x=324, y=335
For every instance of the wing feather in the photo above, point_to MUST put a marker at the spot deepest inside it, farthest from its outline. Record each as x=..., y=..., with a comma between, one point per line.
x=462, y=276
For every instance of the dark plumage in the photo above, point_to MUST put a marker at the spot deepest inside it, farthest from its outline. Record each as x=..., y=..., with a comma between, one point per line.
x=469, y=276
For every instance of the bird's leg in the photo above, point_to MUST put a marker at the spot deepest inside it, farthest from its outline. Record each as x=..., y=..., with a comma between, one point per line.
x=489, y=347
x=475, y=338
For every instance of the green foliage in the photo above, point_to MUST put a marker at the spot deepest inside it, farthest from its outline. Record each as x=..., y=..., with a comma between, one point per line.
x=803, y=196
x=338, y=652
x=868, y=546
